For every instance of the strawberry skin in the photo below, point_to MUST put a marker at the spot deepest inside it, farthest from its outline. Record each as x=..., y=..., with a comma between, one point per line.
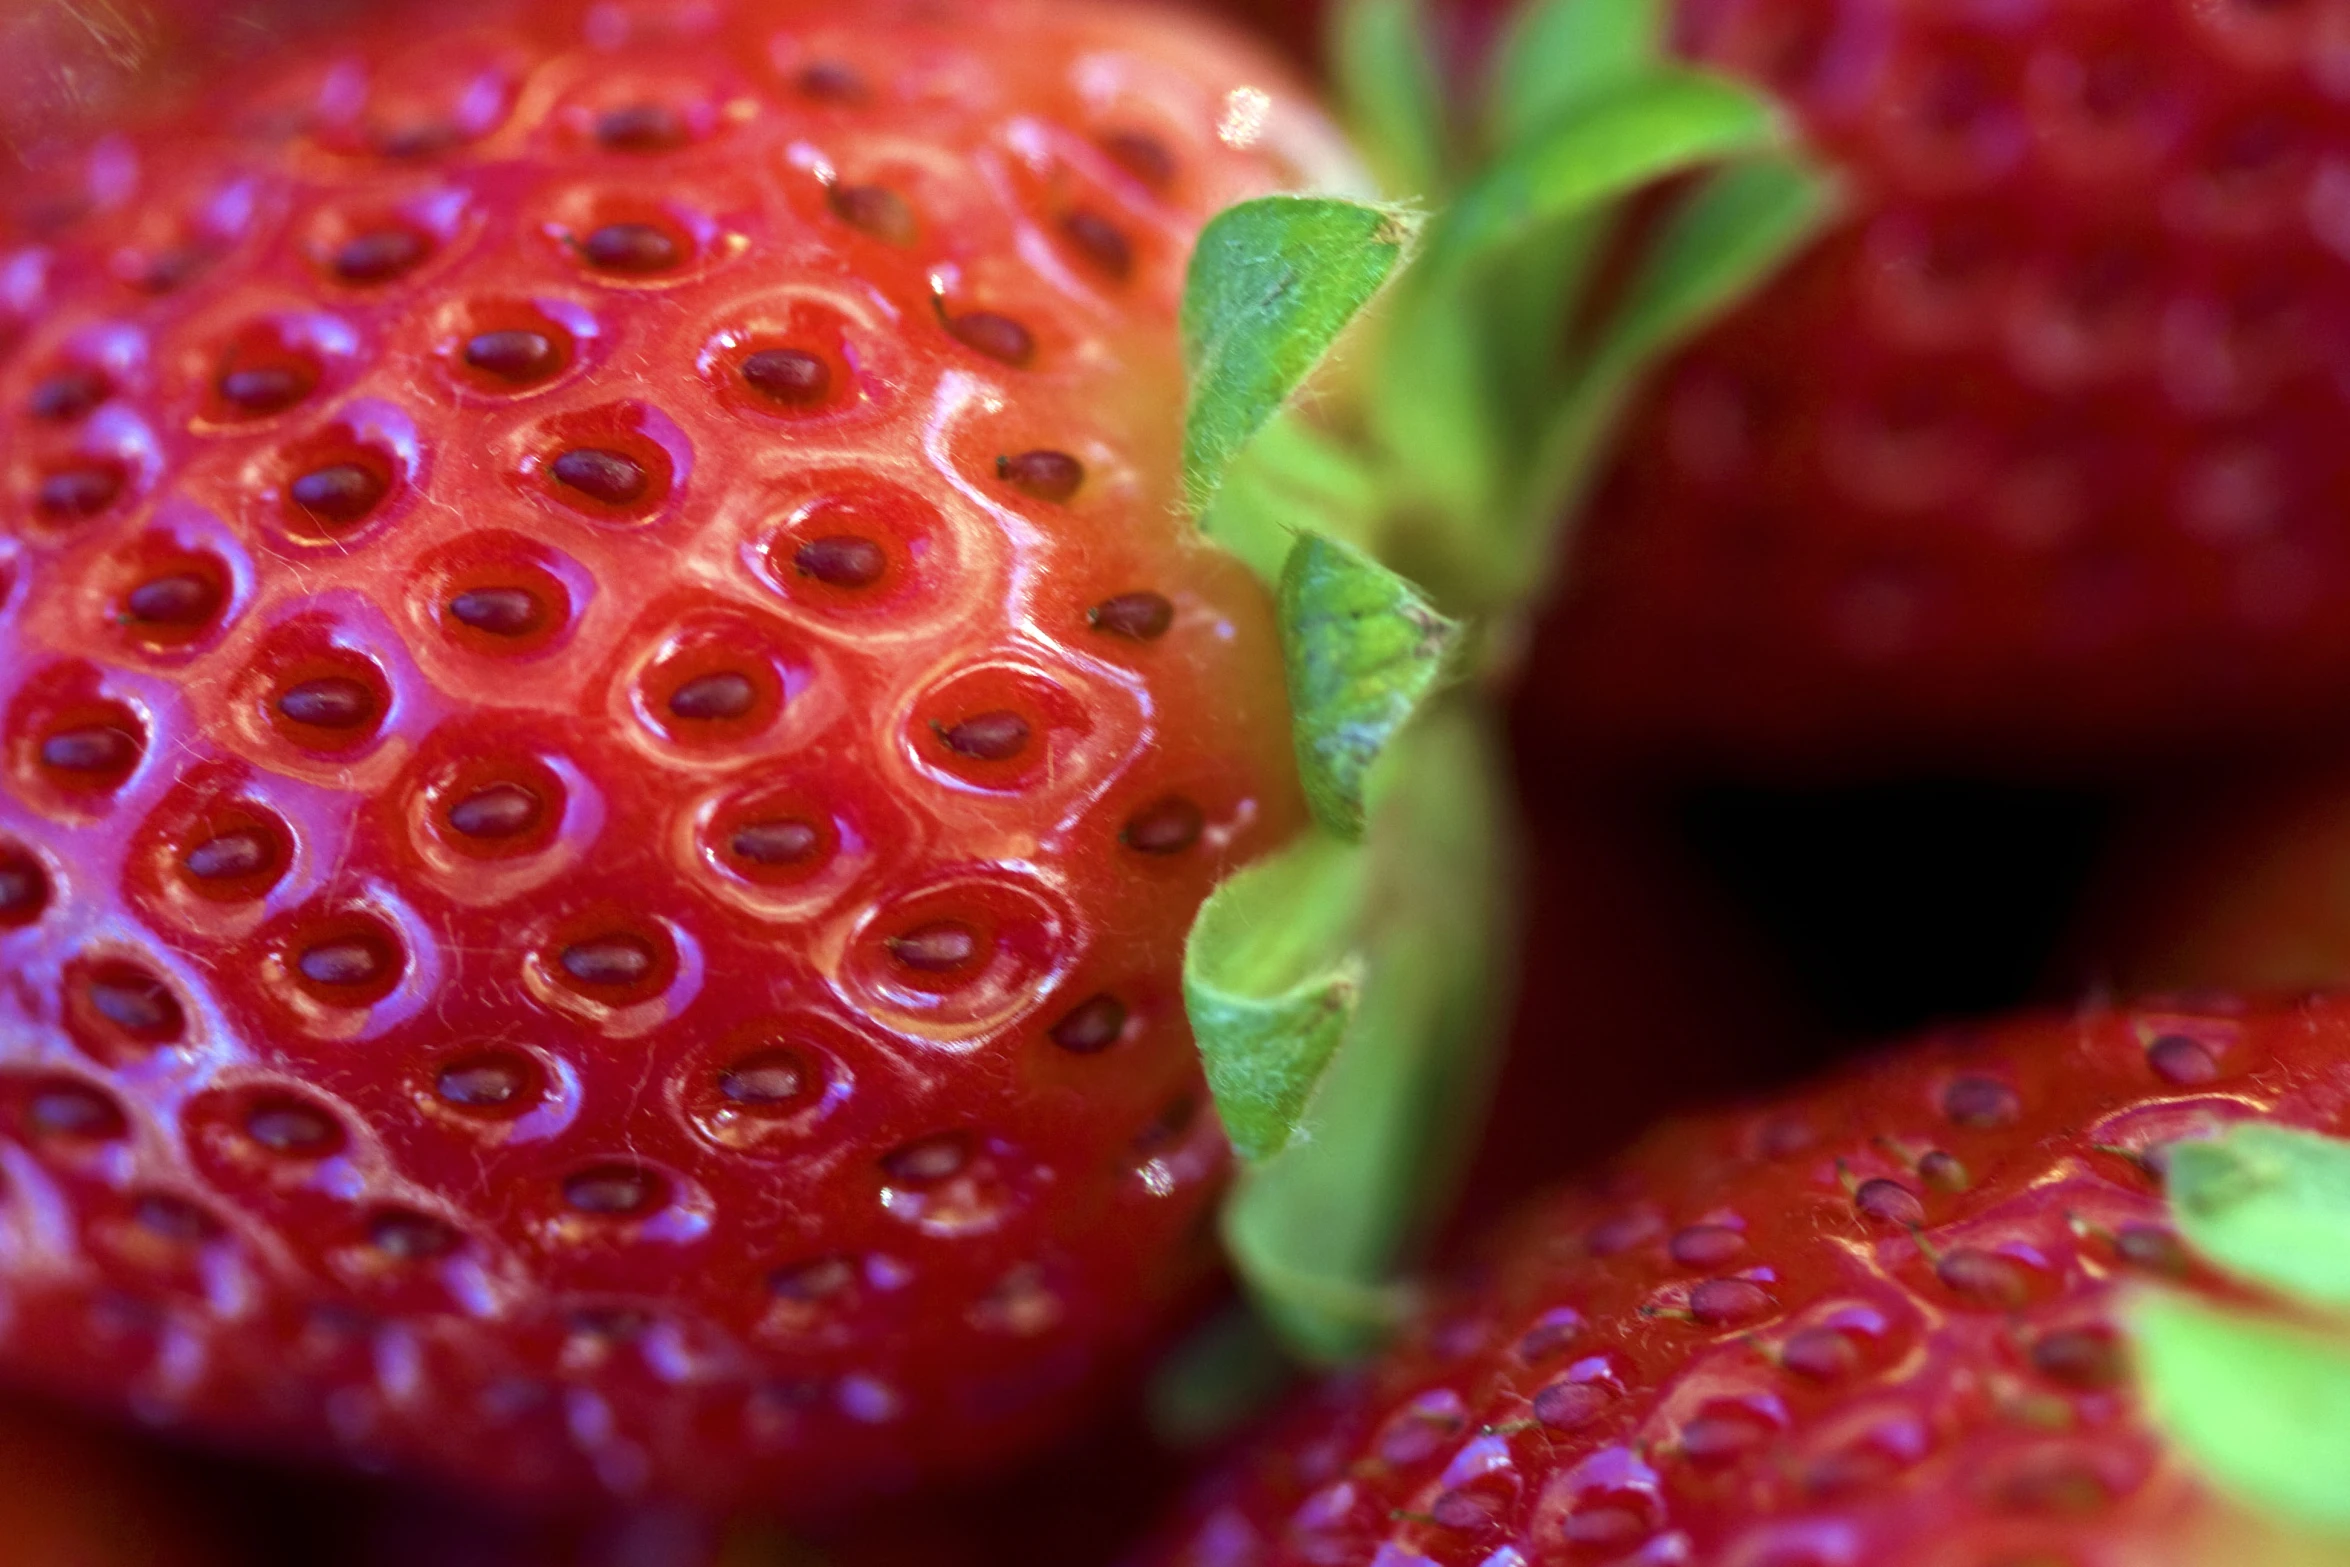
x=609, y=733
x=1873, y=1323
x=2037, y=457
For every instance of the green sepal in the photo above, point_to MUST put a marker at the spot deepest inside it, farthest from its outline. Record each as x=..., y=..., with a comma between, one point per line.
x=1293, y=475
x=1386, y=79
x=1363, y=650
x=1740, y=225
x=1557, y=53
x=1318, y=1233
x=1631, y=134
x=1270, y=978
x=2263, y=1408
x=2271, y=1205
x=1272, y=284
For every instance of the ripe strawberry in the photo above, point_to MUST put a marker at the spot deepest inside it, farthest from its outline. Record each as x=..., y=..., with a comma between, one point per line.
x=1873, y=1323
x=2037, y=455
x=2232, y=883
x=609, y=733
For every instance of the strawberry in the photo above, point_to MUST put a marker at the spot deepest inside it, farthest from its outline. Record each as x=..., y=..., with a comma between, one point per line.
x=2228, y=883
x=611, y=734
x=2033, y=459
x=658, y=667
x=1887, y=1319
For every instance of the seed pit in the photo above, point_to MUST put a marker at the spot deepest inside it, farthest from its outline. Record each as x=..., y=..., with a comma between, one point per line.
x=940, y=947
x=775, y=843
x=841, y=561
x=258, y=390
x=812, y=1281
x=997, y=336
x=292, y=1128
x=2182, y=1061
x=492, y=1081
x=498, y=811
x=1167, y=826
x=1099, y=241
x=348, y=968
x=1889, y=1202
x=379, y=255
x=609, y=477
x=24, y=888
x=176, y=1220
x=404, y=1235
x=516, y=355
x=95, y=755
x=238, y=854
x=69, y=396
x=63, y=1108
x=1138, y=617
x=1980, y=1103
x=929, y=1160
x=78, y=490
x=115, y=1004
x=330, y=702
x=642, y=127
x=1092, y=1026
x=985, y=737
x=178, y=601
x=830, y=81
x=1142, y=155
x=1042, y=475
x=339, y=493
x=509, y=613
x=768, y=1080
x=875, y=210
x=635, y=249
x=718, y=697
x=610, y=962
x=614, y=1191
x=787, y=375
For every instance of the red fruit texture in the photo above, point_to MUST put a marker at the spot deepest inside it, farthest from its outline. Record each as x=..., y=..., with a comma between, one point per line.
x=1869, y=1325
x=609, y=733
x=2036, y=459
x=2238, y=884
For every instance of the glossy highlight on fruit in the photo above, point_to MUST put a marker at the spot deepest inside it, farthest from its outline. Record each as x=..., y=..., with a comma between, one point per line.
x=609, y=730
x=1880, y=1322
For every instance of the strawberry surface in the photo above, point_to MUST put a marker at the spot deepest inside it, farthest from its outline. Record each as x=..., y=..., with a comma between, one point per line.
x=2036, y=458
x=609, y=732
x=1876, y=1322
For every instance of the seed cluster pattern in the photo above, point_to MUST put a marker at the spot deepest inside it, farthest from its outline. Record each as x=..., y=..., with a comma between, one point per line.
x=1876, y=1324
x=609, y=732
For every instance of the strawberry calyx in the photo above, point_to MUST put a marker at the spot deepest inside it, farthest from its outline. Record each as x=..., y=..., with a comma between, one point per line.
x=1392, y=407
x=2260, y=1404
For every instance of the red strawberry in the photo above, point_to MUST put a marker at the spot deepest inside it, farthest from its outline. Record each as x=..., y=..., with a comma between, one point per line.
x=2039, y=453
x=1877, y=1322
x=609, y=733
x=2229, y=883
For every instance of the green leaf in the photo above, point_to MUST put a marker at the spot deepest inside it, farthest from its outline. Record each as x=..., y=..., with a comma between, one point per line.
x=1272, y=283
x=1630, y=135
x=1270, y=977
x=1363, y=649
x=1319, y=1233
x=2270, y=1204
x=2262, y=1408
x=1292, y=478
x=1386, y=79
x=1739, y=226
x=1557, y=53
